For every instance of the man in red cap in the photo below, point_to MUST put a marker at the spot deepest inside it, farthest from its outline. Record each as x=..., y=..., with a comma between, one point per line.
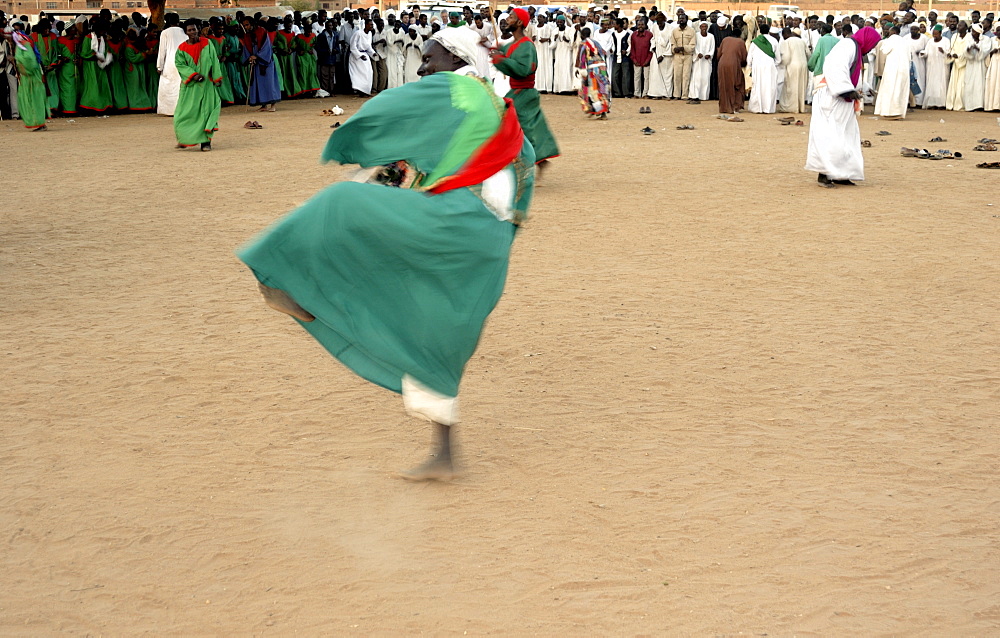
x=518, y=60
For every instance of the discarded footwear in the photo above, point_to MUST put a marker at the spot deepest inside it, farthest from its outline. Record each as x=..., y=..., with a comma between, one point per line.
x=249, y=124
x=335, y=125
x=685, y=127
x=988, y=165
x=647, y=131
x=799, y=123
x=786, y=120
x=909, y=152
x=985, y=140
x=883, y=133
x=985, y=147
x=866, y=143
x=937, y=139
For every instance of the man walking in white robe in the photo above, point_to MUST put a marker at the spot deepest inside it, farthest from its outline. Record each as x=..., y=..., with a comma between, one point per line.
x=361, y=56
x=894, y=89
x=763, y=57
x=170, y=80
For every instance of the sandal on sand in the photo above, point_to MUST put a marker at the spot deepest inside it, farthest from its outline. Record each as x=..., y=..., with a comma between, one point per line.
x=946, y=154
x=799, y=123
x=735, y=119
x=335, y=125
x=685, y=127
x=985, y=147
x=866, y=143
x=987, y=140
x=988, y=165
x=785, y=120
x=647, y=131
x=937, y=139
x=249, y=124
x=909, y=152
x=883, y=133
x=257, y=124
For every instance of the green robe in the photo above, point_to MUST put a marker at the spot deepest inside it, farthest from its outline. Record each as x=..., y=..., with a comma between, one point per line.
x=519, y=61
x=69, y=79
x=197, y=115
x=48, y=47
x=152, y=75
x=95, y=90
x=136, y=83
x=236, y=72
x=400, y=280
x=32, y=103
x=225, y=88
x=823, y=46
x=305, y=60
x=288, y=74
x=116, y=76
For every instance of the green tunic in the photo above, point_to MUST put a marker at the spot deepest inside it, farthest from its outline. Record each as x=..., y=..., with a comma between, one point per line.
x=400, y=280
x=305, y=60
x=48, y=47
x=287, y=73
x=225, y=88
x=69, y=88
x=116, y=76
x=95, y=90
x=152, y=75
x=31, y=101
x=236, y=72
x=197, y=115
x=519, y=61
x=136, y=83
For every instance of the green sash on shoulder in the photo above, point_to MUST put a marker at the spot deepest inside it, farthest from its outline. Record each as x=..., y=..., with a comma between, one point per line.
x=764, y=44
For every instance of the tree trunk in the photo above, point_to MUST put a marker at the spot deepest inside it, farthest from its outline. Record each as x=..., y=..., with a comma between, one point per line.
x=156, y=9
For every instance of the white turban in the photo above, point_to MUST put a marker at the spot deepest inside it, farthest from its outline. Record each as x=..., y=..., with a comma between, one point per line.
x=461, y=42
x=978, y=28
x=722, y=21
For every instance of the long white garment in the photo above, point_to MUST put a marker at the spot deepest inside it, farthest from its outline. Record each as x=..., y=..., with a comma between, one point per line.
x=894, y=89
x=606, y=40
x=992, y=98
x=501, y=83
x=412, y=58
x=917, y=46
x=394, y=63
x=975, y=73
x=936, y=73
x=764, y=70
x=361, y=69
x=544, y=53
x=565, y=50
x=701, y=68
x=483, y=66
x=170, y=80
x=661, y=74
x=956, y=83
x=834, y=135
x=793, y=96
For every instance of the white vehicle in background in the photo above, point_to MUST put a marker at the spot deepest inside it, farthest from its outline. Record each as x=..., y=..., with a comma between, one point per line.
x=777, y=11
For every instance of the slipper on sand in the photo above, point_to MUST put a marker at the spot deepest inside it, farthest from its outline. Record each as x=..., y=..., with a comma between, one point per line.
x=866, y=143
x=988, y=165
x=883, y=133
x=685, y=127
x=937, y=139
x=985, y=147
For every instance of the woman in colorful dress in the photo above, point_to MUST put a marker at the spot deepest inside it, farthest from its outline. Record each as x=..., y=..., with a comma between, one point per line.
x=592, y=66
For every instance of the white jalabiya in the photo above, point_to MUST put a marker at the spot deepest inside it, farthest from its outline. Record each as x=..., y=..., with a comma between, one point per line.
x=394, y=63
x=606, y=40
x=796, y=62
x=991, y=101
x=412, y=58
x=544, y=53
x=360, y=65
x=894, y=89
x=483, y=66
x=974, y=96
x=956, y=84
x=919, y=63
x=834, y=135
x=565, y=50
x=661, y=74
x=170, y=80
x=501, y=83
x=937, y=67
x=701, y=68
x=764, y=70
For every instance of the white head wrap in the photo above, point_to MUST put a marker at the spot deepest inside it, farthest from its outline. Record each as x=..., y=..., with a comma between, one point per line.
x=461, y=42
x=722, y=21
x=978, y=28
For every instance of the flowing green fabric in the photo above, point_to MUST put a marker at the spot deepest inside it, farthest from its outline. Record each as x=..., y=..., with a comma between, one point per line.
x=69, y=88
x=197, y=115
x=31, y=101
x=225, y=88
x=136, y=84
x=823, y=47
x=288, y=76
x=95, y=90
x=116, y=76
x=305, y=60
x=400, y=281
x=152, y=75
x=232, y=50
x=48, y=48
x=764, y=44
x=520, y=62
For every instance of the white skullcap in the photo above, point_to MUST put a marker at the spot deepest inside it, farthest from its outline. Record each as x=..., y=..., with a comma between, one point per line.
x=460, y=42
x=722, y=21
x=978, y=28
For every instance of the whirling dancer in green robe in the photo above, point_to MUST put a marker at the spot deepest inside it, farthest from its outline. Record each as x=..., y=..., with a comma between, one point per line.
x=196, y=118
x=48, y=47
x=395, y=277
x=518, y=60
x=32, y=103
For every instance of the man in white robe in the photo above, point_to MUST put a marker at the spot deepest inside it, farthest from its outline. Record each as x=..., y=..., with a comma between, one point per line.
x=412, y=54
x=796, y=63
x=955, y=100
x=974, y=97
x=763, y=56
x=894, y=89
x=542, y=36
x=394, y=48
x=170, y=80
x=661, y=67
x=935, y=56
x=991, y=101
x=361, y=57
x=566, y=43
x=484, y=30
x=834, y=135
x=604, y=37
x=701, y=68
x=918, y=42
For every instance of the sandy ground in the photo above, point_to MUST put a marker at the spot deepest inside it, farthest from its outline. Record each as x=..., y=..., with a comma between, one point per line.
x=715, y=398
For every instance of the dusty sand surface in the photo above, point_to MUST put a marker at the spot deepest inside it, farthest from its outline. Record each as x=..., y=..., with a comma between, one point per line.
x=715, y=399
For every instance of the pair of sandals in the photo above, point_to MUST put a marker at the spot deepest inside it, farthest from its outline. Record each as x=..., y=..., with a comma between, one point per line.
x=645, y=109
x=923, y=153
x=987, y=140
x=685, y=127
x=788, y=121
x=252, y=125
x=988, y=165
x=729, y=118
x=986, y=146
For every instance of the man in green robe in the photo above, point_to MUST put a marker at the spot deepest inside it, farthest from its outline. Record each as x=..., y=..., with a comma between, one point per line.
x=825, y=43
x=32, y=103
x=95, y=89
x=68, y=65
x=395, y=277
x=196, y=118
x=134, y=67
x=518, y=60
x=48, y=48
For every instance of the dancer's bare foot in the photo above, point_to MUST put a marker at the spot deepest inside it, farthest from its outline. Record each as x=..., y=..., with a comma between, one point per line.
x=280, y=300
x=439, y=466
